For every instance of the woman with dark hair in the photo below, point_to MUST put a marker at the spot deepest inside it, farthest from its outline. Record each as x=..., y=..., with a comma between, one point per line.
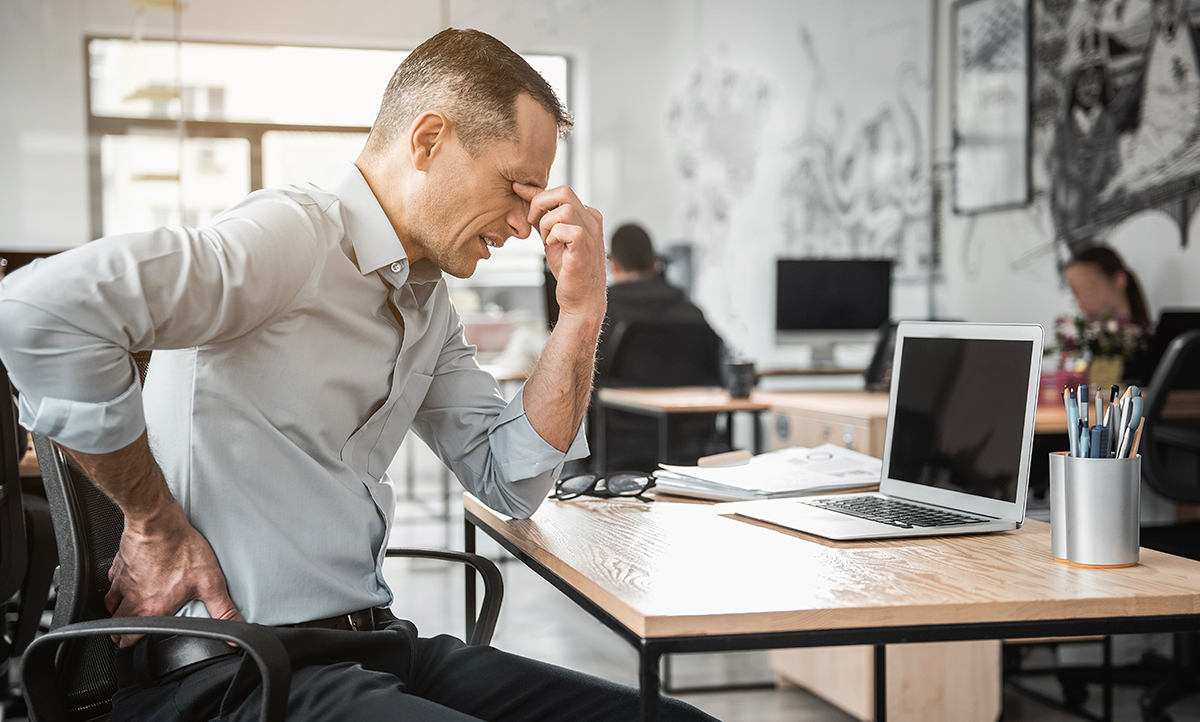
x=1104, y=286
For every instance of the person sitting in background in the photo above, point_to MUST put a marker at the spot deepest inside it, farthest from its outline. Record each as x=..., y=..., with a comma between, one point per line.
x=639, y=292
x=1104, y=286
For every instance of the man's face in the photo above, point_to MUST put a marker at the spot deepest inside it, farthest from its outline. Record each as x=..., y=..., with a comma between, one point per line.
x=468, y=203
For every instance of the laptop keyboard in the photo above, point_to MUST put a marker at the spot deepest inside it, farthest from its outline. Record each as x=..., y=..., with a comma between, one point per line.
x=896, y=513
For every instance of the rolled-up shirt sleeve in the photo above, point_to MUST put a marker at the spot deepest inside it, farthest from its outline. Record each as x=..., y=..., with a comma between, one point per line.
x=488, y=444
x=69, y=323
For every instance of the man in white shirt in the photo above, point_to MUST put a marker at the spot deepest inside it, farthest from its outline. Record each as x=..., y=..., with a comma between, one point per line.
x=296, y=340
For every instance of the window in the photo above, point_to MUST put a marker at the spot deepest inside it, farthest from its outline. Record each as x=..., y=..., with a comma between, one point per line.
x=181, y=131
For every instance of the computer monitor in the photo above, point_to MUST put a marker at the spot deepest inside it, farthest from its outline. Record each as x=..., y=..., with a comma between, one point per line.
x=824, y=302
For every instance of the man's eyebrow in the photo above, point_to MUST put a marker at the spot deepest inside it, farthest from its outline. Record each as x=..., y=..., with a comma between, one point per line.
x=526, y=181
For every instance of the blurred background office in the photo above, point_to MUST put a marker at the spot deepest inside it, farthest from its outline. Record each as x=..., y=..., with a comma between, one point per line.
x=812, y=170
x=795, y=130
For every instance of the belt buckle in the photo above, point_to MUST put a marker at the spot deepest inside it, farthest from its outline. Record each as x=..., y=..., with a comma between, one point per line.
x=353, y=619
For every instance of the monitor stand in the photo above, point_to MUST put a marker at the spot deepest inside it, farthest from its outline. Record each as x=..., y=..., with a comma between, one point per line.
x=822, y=354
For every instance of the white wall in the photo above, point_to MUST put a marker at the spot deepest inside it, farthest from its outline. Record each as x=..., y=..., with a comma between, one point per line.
x=633, y=62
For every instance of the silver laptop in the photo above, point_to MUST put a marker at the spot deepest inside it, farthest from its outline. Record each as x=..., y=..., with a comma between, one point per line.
x=959, y=435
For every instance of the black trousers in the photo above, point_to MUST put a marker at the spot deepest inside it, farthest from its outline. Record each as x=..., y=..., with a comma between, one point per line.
x=385, y=675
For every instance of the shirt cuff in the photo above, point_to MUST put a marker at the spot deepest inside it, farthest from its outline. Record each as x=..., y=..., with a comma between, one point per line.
x=526, y=453
x=92, y=428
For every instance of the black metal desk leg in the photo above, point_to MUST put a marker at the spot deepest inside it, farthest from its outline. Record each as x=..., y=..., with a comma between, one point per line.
x=649, y=681
x=469, y=547
x=880, y=683
x=756, y=418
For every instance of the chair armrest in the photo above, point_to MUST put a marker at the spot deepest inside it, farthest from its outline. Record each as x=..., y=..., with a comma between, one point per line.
x=41, y=682
x=493, y=586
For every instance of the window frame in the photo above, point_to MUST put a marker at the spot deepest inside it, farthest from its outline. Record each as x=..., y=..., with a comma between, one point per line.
x=99, y=126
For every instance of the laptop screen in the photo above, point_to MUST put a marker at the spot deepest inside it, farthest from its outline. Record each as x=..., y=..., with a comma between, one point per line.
x=960, y=414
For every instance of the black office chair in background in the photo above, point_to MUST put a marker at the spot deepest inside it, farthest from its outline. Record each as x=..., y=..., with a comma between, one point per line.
x=660, y=354
x=69, y=672
x=1170, y=451
x=27, y=556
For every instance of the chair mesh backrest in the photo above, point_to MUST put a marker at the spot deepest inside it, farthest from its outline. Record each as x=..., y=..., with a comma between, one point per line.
x=663, y=354
x=1169, y=448
x=88, y=527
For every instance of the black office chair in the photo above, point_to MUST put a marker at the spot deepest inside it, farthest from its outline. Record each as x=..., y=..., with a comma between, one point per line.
x=27, y=557
x=69, y=672
x=655, y=354
x=1170, y=451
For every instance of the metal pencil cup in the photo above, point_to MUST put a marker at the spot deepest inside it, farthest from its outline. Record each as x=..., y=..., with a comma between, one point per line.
x=1102, y=504
x=1058, y=505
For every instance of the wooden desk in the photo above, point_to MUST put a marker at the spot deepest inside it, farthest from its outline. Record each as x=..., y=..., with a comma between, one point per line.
x=663, y=403
x=679, y=578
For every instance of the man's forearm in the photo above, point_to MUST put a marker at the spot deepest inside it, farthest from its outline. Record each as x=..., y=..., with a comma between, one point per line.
x=557, y=394
x=130, y=477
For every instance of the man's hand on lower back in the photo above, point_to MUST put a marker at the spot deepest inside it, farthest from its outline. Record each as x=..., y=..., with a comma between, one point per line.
x=160, y=567
x=163, y=562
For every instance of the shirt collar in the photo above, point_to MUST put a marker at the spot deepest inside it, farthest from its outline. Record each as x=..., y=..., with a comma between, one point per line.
x=376, y=246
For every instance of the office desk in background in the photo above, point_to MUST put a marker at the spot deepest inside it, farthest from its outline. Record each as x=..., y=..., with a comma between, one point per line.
x=663, y=403
x=855, y=419
x=679, y=578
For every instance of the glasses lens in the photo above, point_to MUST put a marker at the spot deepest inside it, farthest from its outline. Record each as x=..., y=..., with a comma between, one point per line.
x=574, y=486
x=627, y=483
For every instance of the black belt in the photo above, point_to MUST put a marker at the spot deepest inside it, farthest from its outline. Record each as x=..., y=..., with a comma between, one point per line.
x=156, y=656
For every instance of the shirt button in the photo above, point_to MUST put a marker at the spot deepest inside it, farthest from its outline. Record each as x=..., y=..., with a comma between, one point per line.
x=396, y=267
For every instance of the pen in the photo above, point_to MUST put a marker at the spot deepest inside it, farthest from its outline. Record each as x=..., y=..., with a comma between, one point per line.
x=1072, y=420
x=1135, y=420
x=1083, y=406
x=1110, y=420
x=1084, y=443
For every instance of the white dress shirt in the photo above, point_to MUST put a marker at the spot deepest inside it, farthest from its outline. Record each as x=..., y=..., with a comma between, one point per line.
x=280, y=388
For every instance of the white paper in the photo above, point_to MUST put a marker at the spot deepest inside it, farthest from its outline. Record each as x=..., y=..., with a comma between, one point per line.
x=794, y=469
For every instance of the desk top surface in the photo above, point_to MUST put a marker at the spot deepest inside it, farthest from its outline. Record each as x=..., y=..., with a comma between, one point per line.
x=667, y=569
x=679, y=399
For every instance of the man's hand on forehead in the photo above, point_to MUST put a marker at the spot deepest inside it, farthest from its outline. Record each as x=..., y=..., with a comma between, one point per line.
x=573, y=236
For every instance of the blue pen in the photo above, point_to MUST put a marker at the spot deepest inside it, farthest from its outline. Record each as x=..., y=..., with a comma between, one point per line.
x=1072, y=421
x=1084, y=443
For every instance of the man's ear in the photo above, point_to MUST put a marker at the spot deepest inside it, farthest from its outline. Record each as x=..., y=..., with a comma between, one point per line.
x=426, y=137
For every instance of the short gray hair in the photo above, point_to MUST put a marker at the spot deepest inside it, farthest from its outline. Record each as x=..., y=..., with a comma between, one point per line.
x=471, y=77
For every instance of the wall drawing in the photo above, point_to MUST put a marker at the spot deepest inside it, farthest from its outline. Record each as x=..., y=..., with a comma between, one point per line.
x=860, y=187
x=716, y=123
x=1117, y=103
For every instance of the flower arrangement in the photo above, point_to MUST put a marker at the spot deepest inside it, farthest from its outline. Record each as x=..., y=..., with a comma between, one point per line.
x=1105, y=336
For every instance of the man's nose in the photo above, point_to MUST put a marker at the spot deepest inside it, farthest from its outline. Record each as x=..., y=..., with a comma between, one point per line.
x=518, y=220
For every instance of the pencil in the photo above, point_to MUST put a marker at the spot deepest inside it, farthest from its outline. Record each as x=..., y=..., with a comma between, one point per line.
x=1137, y=438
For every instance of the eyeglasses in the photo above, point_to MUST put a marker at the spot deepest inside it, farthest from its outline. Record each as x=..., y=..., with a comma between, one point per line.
x=604, y=486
